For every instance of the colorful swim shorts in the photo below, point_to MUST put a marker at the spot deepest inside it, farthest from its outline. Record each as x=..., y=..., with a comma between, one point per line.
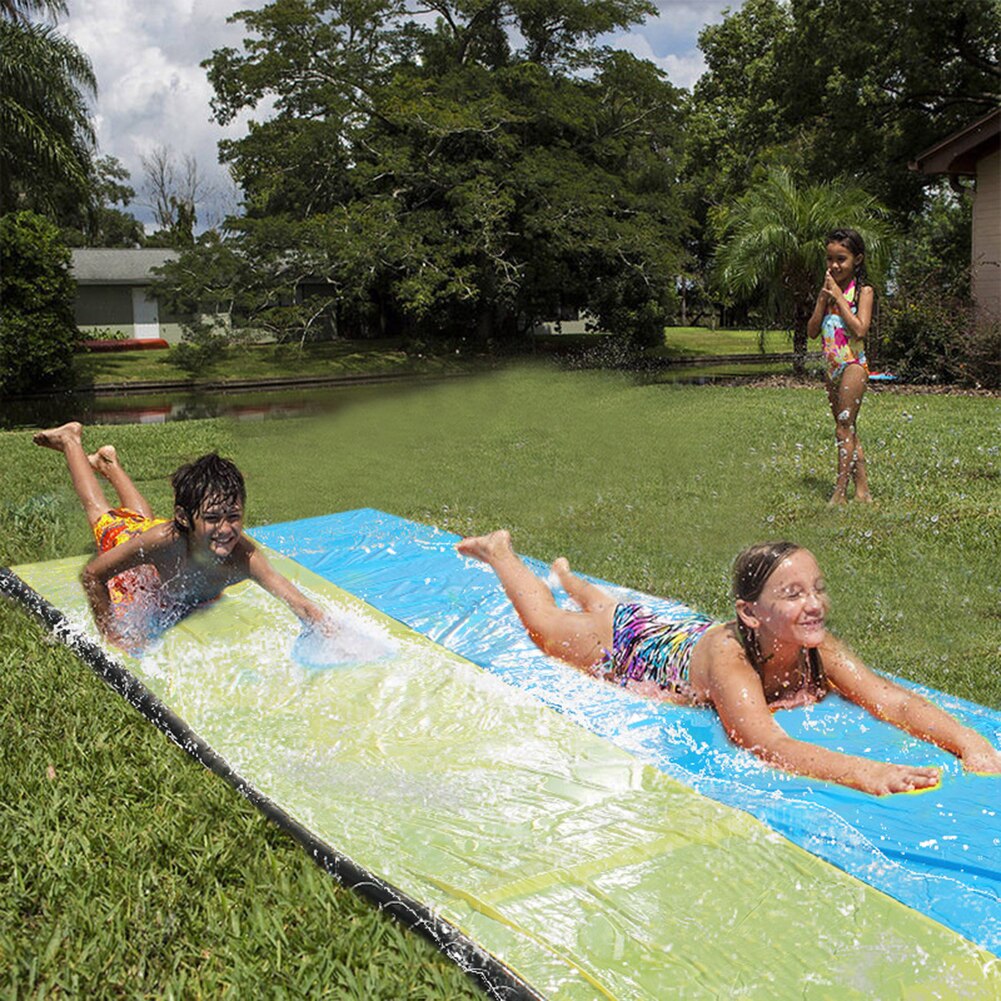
x=112, y=529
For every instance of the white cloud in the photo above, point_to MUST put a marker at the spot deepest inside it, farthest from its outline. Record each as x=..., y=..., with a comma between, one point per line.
x=151, y=89
x=682, y=69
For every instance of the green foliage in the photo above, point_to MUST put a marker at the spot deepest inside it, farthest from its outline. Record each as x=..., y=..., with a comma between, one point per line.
x=773, y=243
x=97, y=222
x=840, y=88
x=46, y=138
x=37, y=330
x=435, y=179
x=930, y=329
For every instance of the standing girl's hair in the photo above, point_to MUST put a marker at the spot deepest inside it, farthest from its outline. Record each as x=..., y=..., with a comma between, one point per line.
x=852, y=239
x=751, y=570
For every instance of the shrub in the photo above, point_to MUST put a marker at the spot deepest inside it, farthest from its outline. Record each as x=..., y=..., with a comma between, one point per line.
x=931, y=331
x=37, y=331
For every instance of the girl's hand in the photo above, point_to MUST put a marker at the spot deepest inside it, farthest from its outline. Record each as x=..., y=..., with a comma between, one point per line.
x=984, y=760
x=882, y=778
x=831, y=287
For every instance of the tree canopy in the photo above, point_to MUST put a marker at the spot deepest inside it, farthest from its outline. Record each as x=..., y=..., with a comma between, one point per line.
x=838, y=88
x=474, y=172
x=46, y=139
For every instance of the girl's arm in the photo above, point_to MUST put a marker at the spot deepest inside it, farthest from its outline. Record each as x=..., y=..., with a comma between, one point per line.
x=738, y=697
x=260, y=570
x=907, y=710
x=817, y=317
x=856, y=323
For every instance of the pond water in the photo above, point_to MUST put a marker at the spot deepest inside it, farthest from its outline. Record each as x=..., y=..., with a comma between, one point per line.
x=50, y=411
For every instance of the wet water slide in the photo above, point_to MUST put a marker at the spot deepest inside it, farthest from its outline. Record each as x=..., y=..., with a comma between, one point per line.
x=554, y=835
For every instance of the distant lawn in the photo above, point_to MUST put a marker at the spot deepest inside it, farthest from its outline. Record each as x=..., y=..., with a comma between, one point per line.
x=131, y=871
x=335, y=358
x=264, y=361
x=679, y=341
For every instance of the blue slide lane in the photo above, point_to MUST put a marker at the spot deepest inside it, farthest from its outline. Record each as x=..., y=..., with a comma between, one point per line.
x=937, y=851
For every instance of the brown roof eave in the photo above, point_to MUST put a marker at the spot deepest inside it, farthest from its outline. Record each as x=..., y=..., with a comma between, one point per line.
x=959, y=153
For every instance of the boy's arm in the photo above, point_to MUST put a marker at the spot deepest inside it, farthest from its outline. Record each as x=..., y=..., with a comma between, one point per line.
x=144, y=548
x=907, y=710
x=260, y=570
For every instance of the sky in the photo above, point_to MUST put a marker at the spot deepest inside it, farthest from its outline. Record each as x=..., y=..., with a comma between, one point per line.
x=152, y=92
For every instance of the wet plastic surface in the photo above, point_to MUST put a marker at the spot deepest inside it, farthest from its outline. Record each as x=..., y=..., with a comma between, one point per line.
x=938, y=851
x=582, y=870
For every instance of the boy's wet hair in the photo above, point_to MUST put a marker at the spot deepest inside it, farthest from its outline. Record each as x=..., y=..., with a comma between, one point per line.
x=751, y=570
x=208, y=479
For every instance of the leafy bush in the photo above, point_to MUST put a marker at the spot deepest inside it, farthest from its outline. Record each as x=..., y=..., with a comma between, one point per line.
x=980, y=352
x=202, y=345
x=37, y=331
x=929, y=333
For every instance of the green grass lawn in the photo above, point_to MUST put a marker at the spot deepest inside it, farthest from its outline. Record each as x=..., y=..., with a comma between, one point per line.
x=264, y=361
x=133, y=871
x=695, y=341
x=335, y=358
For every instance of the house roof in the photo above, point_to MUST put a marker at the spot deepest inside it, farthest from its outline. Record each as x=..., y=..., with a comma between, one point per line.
x=100, y=266
x=959, y=153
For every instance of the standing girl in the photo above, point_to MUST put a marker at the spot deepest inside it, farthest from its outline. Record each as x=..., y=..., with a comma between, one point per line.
x=841, y=317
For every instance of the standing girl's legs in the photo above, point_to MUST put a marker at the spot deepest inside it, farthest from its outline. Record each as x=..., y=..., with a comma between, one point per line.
x=845, y=396
x=579, y=638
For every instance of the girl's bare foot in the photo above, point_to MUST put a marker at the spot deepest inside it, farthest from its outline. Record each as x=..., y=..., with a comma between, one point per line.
x=561, y=569
x=838, y=499
x=103, y=460
x=486, y=547
x=865, y=498
x=58, y=438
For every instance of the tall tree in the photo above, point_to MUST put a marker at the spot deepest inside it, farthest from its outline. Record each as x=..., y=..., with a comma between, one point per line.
x=473, y=174
x=46, y=139
x=835, y=88
x=774, y=244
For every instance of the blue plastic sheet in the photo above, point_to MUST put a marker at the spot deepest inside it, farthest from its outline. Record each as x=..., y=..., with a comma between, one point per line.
x=939, y=851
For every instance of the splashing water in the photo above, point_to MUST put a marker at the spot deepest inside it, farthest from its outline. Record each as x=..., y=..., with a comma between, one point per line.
x=341, y=640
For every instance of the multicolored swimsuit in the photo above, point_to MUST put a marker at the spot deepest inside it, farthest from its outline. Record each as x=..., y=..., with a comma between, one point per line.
x=112, y=529
x=654, y=646
x=839, y=347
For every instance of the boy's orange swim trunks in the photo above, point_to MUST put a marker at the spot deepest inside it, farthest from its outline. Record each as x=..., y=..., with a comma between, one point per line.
x=112, y=529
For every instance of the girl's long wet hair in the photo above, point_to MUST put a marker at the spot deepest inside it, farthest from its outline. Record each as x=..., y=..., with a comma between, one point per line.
x=751, y=570
x=852, y=240
x=209, y=478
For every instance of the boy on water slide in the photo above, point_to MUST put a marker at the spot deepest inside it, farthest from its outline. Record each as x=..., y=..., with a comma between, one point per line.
x=150, y=572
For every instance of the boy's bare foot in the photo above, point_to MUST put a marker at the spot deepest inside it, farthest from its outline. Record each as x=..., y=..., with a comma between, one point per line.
x=103, y=460
x=58, y=438
x=486, y=547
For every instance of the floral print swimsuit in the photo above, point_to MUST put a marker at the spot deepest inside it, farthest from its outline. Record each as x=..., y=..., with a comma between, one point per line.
x=839, y=347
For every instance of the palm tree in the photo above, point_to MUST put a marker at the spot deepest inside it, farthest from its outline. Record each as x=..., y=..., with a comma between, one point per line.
x=773, y=241
x=46, y=138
